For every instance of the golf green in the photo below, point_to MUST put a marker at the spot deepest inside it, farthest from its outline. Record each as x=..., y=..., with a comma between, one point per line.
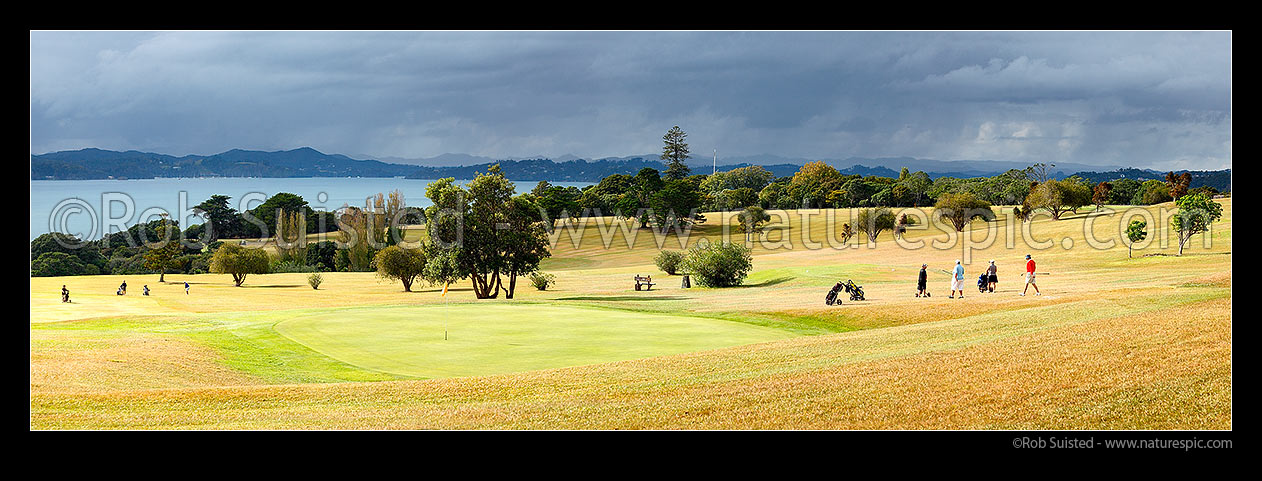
x=497, y=339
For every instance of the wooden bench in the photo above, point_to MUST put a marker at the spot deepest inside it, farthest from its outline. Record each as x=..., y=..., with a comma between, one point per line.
x=644, y=281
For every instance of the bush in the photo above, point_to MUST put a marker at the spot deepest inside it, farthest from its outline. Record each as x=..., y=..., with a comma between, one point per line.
x=542, y=281
x=720, y=264
x=315, y=280
x=668, y=261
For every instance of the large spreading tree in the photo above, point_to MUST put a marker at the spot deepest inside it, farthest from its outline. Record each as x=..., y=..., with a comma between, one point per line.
x=484, y=233
x=238, y=261
x=961, y=209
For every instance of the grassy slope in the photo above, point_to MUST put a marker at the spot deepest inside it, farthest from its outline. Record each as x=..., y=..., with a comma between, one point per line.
x=1151, y=336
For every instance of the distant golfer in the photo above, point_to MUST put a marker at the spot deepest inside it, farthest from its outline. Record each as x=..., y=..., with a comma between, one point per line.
x=1029, y=276
x=65, y=294
x=922, y=282
x=122, y=289
x=186, y=288
x=957, y=280
x=992, y=276
x=145, y=288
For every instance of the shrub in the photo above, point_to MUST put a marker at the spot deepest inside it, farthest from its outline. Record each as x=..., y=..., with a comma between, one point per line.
x=542, y=281
x=719, y=264
x=315, y=280
x=668, y=261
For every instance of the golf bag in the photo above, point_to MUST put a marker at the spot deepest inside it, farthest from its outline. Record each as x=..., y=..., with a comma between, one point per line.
x=855, y=291
x=981, y=282
x=831, y=298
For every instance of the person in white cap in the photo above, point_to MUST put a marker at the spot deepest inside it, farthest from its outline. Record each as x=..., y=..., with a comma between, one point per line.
x=957, y=280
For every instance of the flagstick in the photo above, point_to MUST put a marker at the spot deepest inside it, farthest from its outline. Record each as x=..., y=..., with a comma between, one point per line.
x=445, y=305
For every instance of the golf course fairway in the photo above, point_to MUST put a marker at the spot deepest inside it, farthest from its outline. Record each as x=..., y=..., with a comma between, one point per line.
x=497, y=339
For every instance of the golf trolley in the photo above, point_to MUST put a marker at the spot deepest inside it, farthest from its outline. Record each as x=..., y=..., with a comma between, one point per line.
x=855, y=291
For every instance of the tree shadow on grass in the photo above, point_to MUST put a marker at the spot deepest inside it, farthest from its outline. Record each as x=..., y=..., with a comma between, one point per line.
x=769, y=282
x=270, y=285
x=621, y=298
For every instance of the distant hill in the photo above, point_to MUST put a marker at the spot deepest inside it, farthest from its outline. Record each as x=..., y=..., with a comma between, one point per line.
x=308, y=162
x=303, y=162
x=544, y=169
x=1218, y=179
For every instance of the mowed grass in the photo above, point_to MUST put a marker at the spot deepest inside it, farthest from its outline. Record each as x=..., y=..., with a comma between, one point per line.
x=479, y=340
x=1139, y=343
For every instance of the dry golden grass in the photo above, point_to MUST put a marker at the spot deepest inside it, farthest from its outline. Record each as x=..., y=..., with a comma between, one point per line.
x=86, y=361
x=1139, y=343
x=1166, y=367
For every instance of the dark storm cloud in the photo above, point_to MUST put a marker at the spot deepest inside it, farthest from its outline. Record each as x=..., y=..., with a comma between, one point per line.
x=1139, y=98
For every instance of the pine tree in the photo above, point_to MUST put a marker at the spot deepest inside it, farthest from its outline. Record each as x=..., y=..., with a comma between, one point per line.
x=674, y=153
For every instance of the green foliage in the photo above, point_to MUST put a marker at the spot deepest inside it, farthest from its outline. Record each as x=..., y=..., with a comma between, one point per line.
x=753, y=177
x=60, y=264
x=404, y=265
x=88, y=253
x=669, y=261
x=221, y=220
x=557, y=202
x=239, y=261
x=1059, y=196
x=1153, y=192
x=961, y=209
x=812, y=184
x=873, y=221
x=1196, y=213
x=283, y=202
x=314, y=280
x=1124, y=191
x=484, y=233
x=1135, y=233
x=675, y=153
x=542, y=281
x=752, y=220
x=675, y=203
x=164, y=255
x=323, y=254
x=717, y=264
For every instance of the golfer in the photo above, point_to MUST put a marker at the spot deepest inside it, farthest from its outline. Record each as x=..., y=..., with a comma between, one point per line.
x=65, y=294
x=922, y=282
x=957, y=280
x=992, y=277
x=186, y=288
x=1029, y=276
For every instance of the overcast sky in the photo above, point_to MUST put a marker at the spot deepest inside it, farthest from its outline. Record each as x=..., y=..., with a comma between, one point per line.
x=1147, y=99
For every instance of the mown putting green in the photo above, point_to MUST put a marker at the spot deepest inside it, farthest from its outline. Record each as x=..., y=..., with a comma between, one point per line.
x=496, y=339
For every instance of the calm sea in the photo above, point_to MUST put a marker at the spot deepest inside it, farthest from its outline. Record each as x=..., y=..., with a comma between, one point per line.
x=89, y=208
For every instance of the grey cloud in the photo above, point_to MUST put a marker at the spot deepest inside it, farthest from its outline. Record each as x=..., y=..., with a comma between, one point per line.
x=795, y=94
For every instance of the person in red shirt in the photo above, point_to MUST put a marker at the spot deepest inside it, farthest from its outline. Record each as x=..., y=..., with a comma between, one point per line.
x=1029, y=276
